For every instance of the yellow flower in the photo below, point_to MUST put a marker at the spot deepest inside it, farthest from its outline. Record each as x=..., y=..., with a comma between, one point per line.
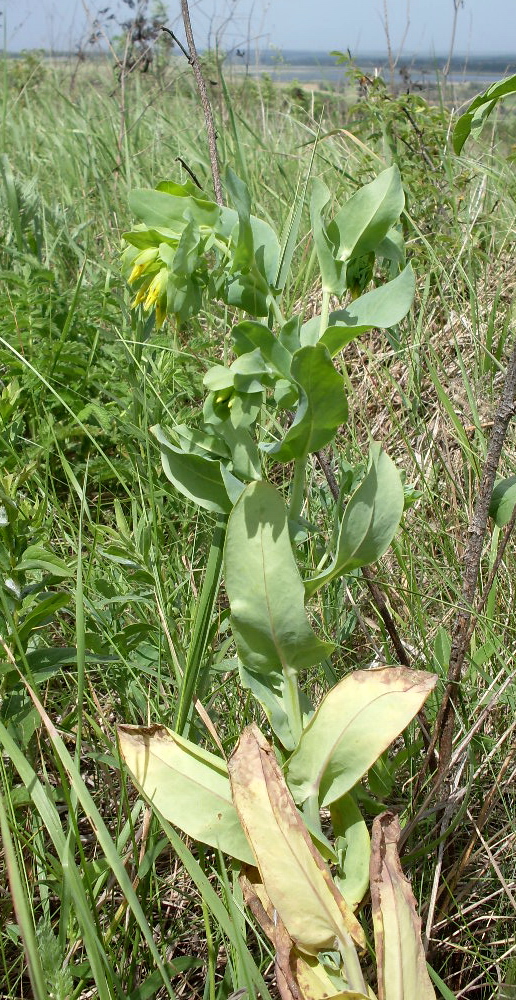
x=157, y=289
x=142, y=262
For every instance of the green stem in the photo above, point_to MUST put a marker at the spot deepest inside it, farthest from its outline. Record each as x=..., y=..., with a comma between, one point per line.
x=212, y=957
x=292, y=703
x=298, y=488
x=325, y=312
x=201, y=627
x=278, y=315
x=352, y=969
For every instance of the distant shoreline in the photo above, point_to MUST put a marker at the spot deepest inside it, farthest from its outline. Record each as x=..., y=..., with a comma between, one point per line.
x=304, y=66
x=322, y=68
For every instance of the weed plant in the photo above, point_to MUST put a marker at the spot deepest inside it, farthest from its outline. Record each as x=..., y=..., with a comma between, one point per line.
x=101, y=562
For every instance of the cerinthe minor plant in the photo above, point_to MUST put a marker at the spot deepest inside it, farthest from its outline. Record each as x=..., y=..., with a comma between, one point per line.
x=280, y=400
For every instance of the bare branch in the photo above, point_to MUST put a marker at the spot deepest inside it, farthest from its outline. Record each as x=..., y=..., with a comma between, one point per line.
x=205, y=101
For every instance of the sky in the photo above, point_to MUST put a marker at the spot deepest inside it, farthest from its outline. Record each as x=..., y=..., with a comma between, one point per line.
x=418, y=26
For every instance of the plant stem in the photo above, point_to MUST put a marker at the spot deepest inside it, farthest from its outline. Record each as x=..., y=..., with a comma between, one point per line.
x=292, y=703
x=278, y=315
x=298, y=488
x=325, y=312
x=352, y=969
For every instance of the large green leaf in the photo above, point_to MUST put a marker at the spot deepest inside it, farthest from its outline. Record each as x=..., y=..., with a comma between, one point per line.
x=265, y=591
x=189, y=786
x=195, y=477
x=480, y=109
x=366, y=218
x=322, y=405
x=370, y=520
x=161, y=208
x=355, y=722
x=381, y=308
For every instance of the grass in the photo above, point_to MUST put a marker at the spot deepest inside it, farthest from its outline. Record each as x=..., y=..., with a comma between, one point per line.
x=102, y=563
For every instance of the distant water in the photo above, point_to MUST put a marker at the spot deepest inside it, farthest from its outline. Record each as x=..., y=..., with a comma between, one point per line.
x=320, y=67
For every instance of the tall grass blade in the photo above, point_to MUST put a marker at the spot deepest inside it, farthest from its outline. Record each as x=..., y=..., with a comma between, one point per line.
x=12, y=200
x=203, y=617
x=21, y=909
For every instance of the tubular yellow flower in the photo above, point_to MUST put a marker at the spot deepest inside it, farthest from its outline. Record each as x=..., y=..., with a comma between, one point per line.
x=141, y=293
x=144, y=259
x=161, y=312
x=157, y=289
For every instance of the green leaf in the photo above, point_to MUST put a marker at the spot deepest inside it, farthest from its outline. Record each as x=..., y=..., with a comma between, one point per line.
x=42, y=611
x=289, y=335
x=157, y=208
x=355, y=722
x=218, y=378
x=186, y=257
x=245, y=459
x=370, y=520
x=241, y=408
x=266, y=249
x=367, y=217
x=265, y=591
x=322, y=408
x=248, y=336
x=197, y=478
x=36, y=557
x=381, y=308
x=244, y=251
x=503, y=501
x=333, y=272
x=248, y=291
x=291, y=228
x=354, y=849
x=203, y=443
x=480, y=109
x=180, y=190
x=162, y=208
x=248, y=370
x=189, y=786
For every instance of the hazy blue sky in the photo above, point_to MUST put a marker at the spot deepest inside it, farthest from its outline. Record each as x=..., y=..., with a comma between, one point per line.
x=484, y=26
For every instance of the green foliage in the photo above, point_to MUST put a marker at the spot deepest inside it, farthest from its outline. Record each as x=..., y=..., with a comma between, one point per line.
x=472, y=122
x=140, y=637
x=333, y=748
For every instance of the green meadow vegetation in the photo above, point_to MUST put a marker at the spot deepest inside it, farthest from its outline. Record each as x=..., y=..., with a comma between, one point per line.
x=173, y=374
